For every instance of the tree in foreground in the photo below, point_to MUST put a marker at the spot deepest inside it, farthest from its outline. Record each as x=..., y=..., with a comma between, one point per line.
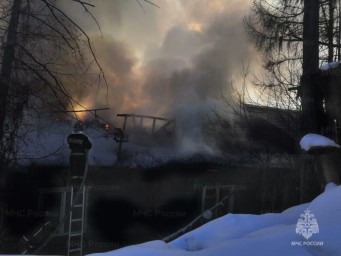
x=294, y=38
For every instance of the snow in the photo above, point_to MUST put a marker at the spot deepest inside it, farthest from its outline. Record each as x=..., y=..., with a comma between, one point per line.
x=266, y=234
x=47, y=146
x=330, y=65
x=312, y=140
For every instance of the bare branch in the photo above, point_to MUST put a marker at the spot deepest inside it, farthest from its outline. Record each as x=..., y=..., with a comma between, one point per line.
x=101, y=72
x=84, y=3
x=152, y=3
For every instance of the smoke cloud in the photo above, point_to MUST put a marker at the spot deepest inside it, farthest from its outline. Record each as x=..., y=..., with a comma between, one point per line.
x=174, y=61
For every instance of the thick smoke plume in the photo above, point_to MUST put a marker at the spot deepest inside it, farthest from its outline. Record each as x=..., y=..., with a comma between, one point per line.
x=174, y=61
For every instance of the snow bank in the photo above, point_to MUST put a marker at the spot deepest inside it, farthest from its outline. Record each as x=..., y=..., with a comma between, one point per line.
x=267, y=234
x=312, y=140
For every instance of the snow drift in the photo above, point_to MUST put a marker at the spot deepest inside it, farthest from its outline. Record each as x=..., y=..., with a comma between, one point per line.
x=267, y=234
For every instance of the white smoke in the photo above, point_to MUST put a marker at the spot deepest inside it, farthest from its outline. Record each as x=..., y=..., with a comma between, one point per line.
x=173, y=62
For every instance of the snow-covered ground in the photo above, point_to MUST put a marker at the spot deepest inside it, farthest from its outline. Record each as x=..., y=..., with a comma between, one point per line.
x=279, y=234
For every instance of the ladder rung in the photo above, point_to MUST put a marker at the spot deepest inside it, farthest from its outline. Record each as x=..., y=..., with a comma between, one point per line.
x=74, y=220
x=75, y=234
x=78, y=205
x=75, y=250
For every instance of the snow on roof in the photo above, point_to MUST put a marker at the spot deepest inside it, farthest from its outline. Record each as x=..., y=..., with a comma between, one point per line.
x=330, y=65
x=48, y=146
x=312, y=140
x=267, y=234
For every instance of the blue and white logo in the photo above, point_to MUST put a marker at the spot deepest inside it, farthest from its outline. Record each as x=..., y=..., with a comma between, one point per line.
x=307, y=225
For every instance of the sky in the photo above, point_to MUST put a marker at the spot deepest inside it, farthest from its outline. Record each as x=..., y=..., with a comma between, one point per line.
x=179, y=58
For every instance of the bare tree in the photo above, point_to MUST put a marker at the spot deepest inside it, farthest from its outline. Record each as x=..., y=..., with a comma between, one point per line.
x=280, y=30
x=276, y=29
x=45, y=54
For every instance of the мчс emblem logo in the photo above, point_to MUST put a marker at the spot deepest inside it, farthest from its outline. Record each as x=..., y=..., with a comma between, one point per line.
x=307, y=225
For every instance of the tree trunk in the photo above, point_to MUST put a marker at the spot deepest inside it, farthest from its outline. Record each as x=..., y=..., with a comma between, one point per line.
x=311, y=103
x=5, y=79
x=339, y=31
x=331, y=7
x=8, y=57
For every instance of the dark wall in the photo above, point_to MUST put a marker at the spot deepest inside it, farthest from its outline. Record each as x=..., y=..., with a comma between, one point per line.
x=128, y=206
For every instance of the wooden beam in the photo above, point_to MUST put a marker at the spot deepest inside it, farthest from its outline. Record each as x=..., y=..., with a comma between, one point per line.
x=85, y=110
x=143, y=116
